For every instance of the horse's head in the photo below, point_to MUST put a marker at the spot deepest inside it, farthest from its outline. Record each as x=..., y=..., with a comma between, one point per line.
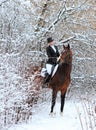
x=66, y=55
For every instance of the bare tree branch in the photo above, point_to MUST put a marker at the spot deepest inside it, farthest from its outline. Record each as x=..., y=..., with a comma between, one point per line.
x=67, y=40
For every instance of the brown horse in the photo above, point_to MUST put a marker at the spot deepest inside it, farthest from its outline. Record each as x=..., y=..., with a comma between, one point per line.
x=61, y=80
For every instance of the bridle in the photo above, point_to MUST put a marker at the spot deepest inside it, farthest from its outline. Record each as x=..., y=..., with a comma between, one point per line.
x=64, y=60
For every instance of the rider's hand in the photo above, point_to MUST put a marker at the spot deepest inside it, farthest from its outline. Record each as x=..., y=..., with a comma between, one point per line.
x=58, y=58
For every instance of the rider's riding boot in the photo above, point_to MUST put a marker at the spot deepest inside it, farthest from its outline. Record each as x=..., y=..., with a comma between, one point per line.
x=46, y=80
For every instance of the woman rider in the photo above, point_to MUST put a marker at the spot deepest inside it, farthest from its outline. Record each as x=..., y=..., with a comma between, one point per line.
x=53, y=57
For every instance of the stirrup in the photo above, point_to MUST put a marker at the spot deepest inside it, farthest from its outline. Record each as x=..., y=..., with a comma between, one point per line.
x=45, y=85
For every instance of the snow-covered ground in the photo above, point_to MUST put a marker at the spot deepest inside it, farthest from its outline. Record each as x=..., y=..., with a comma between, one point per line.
x=75, y=117
x=79, y=113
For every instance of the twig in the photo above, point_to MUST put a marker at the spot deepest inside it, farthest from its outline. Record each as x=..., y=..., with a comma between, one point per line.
x=3, y=2
x=79, y=117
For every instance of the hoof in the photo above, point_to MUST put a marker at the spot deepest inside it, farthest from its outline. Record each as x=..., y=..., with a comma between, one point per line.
x=52, y=114
x=61, y=113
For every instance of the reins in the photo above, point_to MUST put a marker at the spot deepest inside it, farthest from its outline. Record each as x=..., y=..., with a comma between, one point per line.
x=63, y=60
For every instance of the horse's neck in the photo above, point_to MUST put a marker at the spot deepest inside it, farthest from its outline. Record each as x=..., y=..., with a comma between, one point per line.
x=65, y=68
x=62, y=65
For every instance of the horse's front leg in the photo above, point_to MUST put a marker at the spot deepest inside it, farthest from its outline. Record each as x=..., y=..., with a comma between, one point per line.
x=54, y=94
x=62, y=101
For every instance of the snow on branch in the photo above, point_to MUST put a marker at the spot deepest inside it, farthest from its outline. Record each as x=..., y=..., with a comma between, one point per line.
x=3, y=2
x=61, y=12
x=83, y=38
x=67, y=40
x=38, y=52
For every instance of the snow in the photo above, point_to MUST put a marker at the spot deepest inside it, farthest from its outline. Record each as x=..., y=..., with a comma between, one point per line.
x=75, y=115
x=72, y=119
x=19, y=20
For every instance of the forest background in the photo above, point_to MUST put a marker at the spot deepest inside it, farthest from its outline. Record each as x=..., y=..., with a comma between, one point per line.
x=24, y=27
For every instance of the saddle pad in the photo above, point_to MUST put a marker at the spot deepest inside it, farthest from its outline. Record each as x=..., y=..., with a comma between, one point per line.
x=43, y=72
x=55, y=69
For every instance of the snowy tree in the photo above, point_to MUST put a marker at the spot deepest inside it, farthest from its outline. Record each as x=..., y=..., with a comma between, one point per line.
x=24, y=27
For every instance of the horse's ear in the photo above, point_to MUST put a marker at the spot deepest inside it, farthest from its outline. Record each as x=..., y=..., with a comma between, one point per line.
x=68, y=47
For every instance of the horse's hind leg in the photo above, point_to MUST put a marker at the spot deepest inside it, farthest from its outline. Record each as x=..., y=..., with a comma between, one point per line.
x=62, y=101
x=54, y=94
